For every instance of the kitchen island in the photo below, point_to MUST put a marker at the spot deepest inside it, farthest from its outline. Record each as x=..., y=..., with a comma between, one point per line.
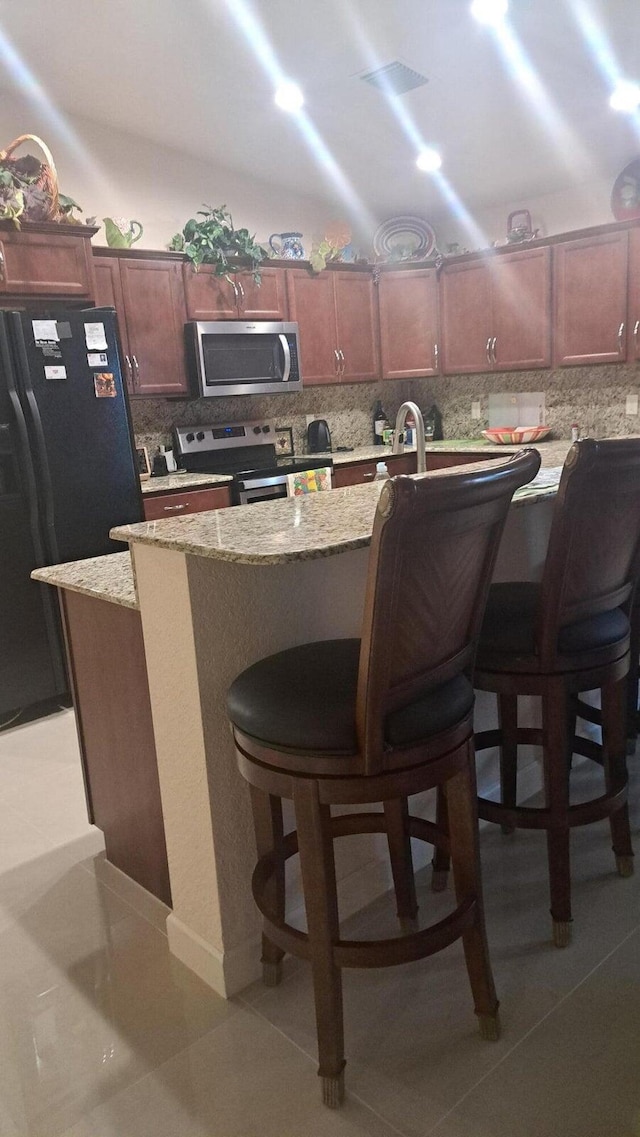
x=216, y=592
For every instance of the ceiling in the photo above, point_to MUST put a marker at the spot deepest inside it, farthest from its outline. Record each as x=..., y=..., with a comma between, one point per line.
x=183, y=73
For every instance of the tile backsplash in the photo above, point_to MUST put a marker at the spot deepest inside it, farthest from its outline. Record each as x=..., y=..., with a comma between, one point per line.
x=594, y=397
x=348, y=410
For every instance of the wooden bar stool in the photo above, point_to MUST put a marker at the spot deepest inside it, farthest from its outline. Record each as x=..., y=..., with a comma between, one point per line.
x=375, y=720
x=569, y=634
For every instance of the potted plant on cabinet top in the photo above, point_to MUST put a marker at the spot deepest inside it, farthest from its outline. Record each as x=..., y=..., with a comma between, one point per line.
x=210, y=239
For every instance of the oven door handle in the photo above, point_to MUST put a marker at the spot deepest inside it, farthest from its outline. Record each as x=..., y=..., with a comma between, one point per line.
x=286, y=350
x=257, y=483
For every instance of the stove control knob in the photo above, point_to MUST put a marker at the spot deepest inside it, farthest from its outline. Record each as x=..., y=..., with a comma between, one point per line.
x=190, y=437
x=256, y=430
x=266, y=430
x=200, y=436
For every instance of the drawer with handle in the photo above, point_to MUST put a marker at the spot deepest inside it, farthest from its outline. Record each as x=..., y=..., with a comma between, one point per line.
x=166, y=505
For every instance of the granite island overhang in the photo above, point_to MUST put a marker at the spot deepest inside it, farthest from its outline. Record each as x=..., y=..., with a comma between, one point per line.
x=217, y=592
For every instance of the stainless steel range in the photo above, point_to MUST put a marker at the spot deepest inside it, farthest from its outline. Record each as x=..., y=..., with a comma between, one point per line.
x=247, y=452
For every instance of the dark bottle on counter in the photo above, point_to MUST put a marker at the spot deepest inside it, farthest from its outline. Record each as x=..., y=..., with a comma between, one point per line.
x=433, y=418
x=380, y=422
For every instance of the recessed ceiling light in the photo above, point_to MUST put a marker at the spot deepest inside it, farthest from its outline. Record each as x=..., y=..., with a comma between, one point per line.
x=289, y=97
x=489, y=11
x=429, y=160
x=626, y=97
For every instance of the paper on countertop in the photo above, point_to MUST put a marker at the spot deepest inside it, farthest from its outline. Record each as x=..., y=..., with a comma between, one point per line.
x=309, y=481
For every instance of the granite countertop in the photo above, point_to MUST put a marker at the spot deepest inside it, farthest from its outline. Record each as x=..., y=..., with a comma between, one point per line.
x=183, y=481
x=105, y=578
x=301, y=528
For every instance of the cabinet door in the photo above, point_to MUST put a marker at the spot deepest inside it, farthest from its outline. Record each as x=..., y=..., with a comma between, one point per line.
x=312, y=306
x=264, y=301
x=521, y=302
x=45, y=264
x=590, y=300
x=209, y=297
x=357, y=326
x=466, y=317
x=108, y=294
x=408, y=307
x=155, y=314
x=634, y=295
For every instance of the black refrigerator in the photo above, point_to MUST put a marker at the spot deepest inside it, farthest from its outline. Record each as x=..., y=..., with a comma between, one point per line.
x=68, y=474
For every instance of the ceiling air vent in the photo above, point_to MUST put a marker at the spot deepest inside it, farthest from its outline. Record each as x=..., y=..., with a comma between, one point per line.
x=395, y=78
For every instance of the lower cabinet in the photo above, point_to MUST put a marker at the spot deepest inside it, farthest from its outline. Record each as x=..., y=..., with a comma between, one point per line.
x=108, y=671
x=157, y=506
x=358, y=473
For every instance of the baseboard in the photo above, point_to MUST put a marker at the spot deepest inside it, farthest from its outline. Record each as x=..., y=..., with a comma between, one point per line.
x=227, y=973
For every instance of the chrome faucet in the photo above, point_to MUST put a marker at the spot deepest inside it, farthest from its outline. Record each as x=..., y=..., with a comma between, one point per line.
x=398, y=438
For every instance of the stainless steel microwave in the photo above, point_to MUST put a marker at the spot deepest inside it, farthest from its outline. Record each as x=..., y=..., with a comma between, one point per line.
x=238, y=357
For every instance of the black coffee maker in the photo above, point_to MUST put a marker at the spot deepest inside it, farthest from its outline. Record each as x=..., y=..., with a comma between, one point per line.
x=318, y=436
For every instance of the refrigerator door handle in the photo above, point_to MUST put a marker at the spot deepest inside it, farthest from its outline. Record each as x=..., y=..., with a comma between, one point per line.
x=51, y=553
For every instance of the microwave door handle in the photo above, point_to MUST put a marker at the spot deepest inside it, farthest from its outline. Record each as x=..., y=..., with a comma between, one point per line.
x=287, y=357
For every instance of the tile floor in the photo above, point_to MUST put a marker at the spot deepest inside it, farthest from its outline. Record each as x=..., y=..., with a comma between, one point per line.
x=103, y=1034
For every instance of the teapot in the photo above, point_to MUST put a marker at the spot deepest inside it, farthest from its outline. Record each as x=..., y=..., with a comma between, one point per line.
x=120, y=233
x=290, y=246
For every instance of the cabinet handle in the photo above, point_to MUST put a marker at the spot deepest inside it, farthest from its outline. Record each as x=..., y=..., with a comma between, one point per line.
x=371, y=475
x=636, y=329
x=175, y=508
x=494, y=344
x=241, y=291
x=337, y=355
x=488, y=350
x=130, y=369
x=235, y=289
x=436, y=356
x=620, y=337
x=135, y=364
x=1, y=265
x=343, y=363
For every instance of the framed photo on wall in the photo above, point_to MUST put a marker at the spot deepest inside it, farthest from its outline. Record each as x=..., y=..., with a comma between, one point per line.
x=284, y=441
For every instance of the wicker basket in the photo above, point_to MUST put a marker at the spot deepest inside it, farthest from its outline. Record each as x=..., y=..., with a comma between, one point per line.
x=47, y=179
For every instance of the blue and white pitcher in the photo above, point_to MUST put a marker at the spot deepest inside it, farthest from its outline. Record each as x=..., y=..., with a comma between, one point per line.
x=290, y=248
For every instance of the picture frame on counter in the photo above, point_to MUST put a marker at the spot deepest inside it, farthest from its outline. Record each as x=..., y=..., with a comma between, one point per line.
x=284, y=441
x=142, y=459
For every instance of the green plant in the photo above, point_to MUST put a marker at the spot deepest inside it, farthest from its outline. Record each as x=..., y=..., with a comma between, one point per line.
x=22, y=195
x=214, y=241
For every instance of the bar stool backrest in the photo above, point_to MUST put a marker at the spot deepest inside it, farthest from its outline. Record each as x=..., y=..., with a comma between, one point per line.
x=434, y=545
x=593, y=558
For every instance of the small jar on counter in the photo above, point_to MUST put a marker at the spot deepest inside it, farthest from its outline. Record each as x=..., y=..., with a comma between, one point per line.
x=575, y=432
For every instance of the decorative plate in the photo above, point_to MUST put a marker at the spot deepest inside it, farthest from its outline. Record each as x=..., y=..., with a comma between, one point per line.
x=625, y=196
x=516, y=434
x=401, y=238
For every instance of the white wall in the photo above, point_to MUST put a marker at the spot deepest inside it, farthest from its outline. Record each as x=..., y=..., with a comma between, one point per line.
x=582, y=205
x=111, y=173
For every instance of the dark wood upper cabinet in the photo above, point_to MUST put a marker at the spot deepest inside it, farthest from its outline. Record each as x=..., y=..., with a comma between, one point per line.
x=521, y=302
x=633, y=341
x=155, y=314
x=590, y=300
x=108, y=294
x=210, y=297
x=408, y=312
x=46, y=260
x=336, y=314
x=312, y=306
x=466, y=317
x=356, y=326
x=496, y=312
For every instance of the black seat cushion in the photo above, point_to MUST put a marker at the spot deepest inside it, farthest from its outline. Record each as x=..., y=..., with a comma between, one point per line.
x=304, y=699
x=509, y=625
